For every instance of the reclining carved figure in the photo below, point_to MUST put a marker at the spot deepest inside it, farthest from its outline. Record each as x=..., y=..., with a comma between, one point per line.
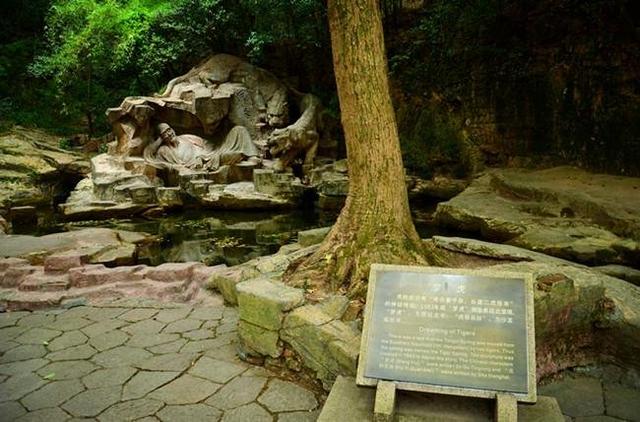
x=221, y=95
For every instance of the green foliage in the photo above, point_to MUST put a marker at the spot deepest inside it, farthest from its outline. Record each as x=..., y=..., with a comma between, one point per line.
x=65, y=143
x=99, y=51
x=432, y=141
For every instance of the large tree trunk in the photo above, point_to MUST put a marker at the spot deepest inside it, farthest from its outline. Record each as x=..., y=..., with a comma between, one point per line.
x=375, y=224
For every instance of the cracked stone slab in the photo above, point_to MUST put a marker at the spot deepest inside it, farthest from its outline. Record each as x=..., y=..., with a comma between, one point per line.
x=108, y=340
x=52, y=394
x=150, y=340
x=92, y=402
x=18, y=386
x=9, y=333
x=170, y=315
x=102, y=314
x=102, y=327
x=6, y=344
x=210, y=344
x=169, y=362
x=24, y=352
x=37, y=320
x=77, y=312
x=228, y=352
x=215, y=370
x=37, y=336
x=207, y=313
x=121, y=356
x=146, y=381
x=69, y=324
x=622, y=402
x=22, y=367
x=66, y=340
x=135, y=315
x=146, y=327
x=211, y=324
x=44, y=415
x=192, y=412
x=284, y=396
x=108, y=377
x=11, y=410
x=183, y=325
x=239, y=391
x=185, y=390
x=84, y=351
x=171, y=347
x=131, y=410
x=201, y=334
x=9, y=319
x=299, y=416
x=67, y=369
x=227, y=327
x=581, y=396
x=250, y=412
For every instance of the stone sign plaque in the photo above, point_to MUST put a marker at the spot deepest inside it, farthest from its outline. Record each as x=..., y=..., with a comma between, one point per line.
x=450, y=331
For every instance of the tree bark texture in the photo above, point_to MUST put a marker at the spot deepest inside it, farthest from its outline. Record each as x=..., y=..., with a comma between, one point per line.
x=375, y=225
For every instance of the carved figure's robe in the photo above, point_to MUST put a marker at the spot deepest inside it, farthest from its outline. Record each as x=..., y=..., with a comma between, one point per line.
x=194, y=152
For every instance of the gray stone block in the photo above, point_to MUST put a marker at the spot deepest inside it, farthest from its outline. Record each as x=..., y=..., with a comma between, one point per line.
x=313, y=236
x=264, y=303
x=259, y=340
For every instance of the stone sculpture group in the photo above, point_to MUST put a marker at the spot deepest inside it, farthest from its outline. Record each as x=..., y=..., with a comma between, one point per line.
x=225, y=111
x=220, y=136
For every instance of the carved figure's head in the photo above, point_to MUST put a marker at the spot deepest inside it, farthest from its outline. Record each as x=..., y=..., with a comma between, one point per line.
x=167, y=134
x=278, y=110
x=280, y=140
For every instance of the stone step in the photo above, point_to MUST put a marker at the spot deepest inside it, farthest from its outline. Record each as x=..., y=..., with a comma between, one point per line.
x=349, y=403
x=42, y=282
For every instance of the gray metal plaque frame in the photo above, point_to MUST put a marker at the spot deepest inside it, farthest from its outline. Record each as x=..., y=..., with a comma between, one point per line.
x=493, y=284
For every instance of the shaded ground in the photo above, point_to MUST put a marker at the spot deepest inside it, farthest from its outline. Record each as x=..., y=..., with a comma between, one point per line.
x=136, y=360
x=595, y=394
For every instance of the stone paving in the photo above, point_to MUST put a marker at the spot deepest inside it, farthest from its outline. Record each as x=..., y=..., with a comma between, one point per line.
x=605, y=396
x=138, y=360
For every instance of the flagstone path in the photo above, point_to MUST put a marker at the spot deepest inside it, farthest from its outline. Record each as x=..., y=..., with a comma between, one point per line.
x=138, y=360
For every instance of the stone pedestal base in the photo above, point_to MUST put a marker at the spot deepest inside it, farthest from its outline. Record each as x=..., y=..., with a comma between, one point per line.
x=349, y=403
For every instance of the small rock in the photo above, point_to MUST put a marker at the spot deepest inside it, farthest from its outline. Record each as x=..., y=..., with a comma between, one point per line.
x=313, y=236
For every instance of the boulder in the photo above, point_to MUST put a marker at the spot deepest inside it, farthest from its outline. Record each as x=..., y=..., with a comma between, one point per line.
x=438, y=187
x=83, y=204
x=93, y=245
x=620, y=271
x=328, y=346
x=581, y=315
x=33, y=167
x=242, y=195
x=312, y=236
x=264, y=303
x=565, y=212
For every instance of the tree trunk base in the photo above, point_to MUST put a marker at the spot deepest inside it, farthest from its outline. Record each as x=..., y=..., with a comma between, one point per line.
x=343, y=261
